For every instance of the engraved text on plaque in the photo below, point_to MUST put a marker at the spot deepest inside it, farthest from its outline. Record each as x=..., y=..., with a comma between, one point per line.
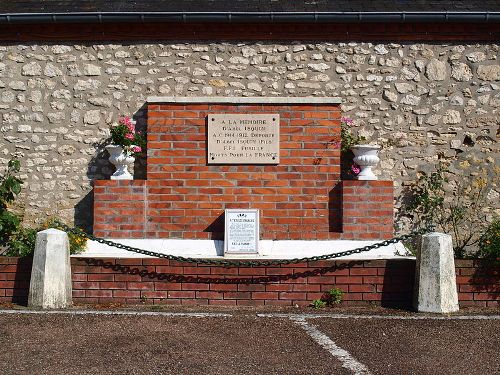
x=243, y=139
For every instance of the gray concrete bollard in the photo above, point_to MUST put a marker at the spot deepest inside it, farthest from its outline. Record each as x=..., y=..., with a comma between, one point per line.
x=435, y=280
x=50, y=285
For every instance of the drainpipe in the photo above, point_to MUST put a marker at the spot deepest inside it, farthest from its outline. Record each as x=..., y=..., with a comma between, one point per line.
x=252, y=17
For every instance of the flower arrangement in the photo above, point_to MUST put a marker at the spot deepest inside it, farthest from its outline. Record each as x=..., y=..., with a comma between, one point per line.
x=348, y=140
x=123, y=134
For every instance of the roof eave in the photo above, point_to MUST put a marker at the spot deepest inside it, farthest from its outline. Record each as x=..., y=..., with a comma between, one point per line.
x=252, y=17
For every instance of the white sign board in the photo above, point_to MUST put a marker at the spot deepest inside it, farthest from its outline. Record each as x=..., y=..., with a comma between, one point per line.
x=241, y=231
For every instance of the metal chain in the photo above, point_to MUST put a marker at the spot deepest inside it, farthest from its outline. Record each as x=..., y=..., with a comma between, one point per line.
x=243, y=263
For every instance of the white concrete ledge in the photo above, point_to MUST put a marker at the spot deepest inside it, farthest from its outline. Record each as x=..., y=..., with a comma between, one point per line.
x=215, y=249
x=243, y=100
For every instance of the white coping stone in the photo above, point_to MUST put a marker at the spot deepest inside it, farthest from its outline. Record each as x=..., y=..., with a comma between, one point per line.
x=268, y=249
x=435, y=279
x=50, y=284
x=244, y=100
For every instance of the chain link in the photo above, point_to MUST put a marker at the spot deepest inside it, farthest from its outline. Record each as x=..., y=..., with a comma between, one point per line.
x=245, y=263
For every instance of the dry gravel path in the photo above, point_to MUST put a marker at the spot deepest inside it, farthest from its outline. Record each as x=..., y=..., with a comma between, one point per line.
x=246, y=342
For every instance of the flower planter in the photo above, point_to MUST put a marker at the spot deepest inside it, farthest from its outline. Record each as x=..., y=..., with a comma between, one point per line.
x=121, y=160
x=366, y=156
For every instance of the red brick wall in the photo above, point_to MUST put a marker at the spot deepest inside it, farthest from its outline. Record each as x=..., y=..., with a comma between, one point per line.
x=125, y=209
x=191, y=196
x=15, y=276
x=184, y=197
x=478, y=282
x=120, y=208
x=367, y=210
x=158, y=281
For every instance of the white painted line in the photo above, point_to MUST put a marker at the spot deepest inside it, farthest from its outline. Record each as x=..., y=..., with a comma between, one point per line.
x=347, y=360
x=106, y=312
x=394, y=317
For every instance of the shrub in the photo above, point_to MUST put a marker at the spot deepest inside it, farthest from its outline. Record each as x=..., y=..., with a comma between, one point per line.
x=77, y=242
x=489, y=244
x=22, y=242
x=16, y=239
x=11, y=233
x=456, y=210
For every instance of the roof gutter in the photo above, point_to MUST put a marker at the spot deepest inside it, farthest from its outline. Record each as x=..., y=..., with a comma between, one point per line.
x=252, y=17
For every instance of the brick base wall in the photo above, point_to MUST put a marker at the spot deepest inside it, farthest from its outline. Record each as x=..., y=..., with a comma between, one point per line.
x=354, y=210
x=157, y=281
x=478, y=282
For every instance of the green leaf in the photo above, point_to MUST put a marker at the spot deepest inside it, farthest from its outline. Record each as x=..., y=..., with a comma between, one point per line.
x=16, y=188
x=14, y=165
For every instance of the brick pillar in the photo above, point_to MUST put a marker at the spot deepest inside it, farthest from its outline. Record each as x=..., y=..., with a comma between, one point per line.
x=119, y=208
x=367, y=210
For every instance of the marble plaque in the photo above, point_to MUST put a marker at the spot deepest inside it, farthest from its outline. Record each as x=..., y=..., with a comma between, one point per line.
x=241, y=231
x=243, y=139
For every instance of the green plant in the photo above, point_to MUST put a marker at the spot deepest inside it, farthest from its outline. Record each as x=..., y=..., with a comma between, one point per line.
x=347, y=138
x=330, y=298
x=123, y=134
x=428, y=197
x=11, y=234
x=318, y=304
x=18, y=240
x=334, y=296
x=77, y=241
x=453, y=209
x=489, y=243
x=22, y=242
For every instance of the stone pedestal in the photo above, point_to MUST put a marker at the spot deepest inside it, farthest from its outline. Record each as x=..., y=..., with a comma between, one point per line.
x=435, y=284
x=50, y=285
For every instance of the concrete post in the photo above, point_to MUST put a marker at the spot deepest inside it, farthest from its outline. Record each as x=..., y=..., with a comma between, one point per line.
x=50, y=285
x=435, y=280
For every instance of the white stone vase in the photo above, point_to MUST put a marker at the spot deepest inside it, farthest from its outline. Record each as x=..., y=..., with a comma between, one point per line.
x=366, y=156
x=121, y=160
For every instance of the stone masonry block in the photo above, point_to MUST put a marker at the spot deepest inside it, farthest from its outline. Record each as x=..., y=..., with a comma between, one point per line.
x=50, y=286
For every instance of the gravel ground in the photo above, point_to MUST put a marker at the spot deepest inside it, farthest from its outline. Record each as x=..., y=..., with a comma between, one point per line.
x=419, y=347
x=244, y=343
x=56, y=344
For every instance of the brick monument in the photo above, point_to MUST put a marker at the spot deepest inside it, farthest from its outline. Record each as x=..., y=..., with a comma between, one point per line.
x=300, y=197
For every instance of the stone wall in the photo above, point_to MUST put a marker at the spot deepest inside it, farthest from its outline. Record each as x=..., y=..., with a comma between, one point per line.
x=422, y=102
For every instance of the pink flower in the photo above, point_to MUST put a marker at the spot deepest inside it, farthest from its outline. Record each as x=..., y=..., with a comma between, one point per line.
x=127, y=121
x=136, y=149
x=347, y=120
x=129, y=136
x=355, y=169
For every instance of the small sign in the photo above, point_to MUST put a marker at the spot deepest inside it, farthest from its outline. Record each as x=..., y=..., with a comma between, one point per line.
x=243, y=139
x=241, y=231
